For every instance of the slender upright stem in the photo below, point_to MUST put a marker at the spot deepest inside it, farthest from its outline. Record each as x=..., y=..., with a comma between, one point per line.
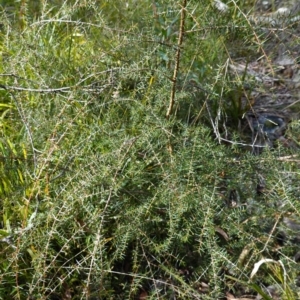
x=177, y=59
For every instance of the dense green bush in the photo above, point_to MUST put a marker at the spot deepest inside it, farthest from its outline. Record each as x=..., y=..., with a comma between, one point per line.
x=102, y=196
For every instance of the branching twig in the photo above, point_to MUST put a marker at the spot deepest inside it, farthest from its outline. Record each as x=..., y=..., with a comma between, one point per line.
x=241, y=144
x=79, y=85
x=53, y=90
x=177, y=59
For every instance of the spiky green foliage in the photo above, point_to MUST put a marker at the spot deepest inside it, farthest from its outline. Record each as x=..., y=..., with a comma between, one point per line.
x=101, y=196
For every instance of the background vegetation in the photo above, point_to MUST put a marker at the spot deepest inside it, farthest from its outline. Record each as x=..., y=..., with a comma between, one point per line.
x=102, y=196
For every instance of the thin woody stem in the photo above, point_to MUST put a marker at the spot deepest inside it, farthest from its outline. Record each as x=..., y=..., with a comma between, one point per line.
x=177, y=59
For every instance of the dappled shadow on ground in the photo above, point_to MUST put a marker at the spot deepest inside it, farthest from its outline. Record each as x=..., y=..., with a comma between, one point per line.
x=273, y=99
x=274, y=104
